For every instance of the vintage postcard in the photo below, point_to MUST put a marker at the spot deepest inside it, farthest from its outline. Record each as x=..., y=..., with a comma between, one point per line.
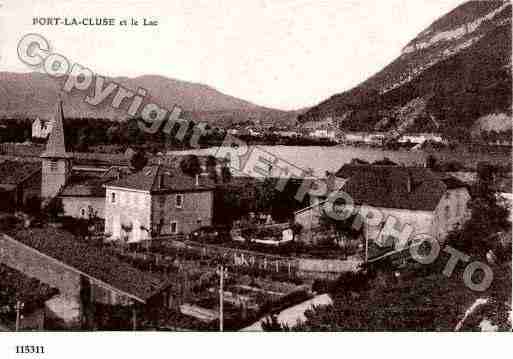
x=255, y=166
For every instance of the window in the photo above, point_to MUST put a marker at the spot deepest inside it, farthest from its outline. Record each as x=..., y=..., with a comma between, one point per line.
x=113, y=197
x=162, y=201
x=179, y=200
x=53, y=166
x=82, y=212
x=447, y=212
x=174, y=227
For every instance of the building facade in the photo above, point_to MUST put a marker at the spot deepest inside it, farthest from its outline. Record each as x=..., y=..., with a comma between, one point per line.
x=413, y=200
x=156, y=201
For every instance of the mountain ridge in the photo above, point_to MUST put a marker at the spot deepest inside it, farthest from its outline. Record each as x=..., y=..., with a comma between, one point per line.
x=453, y=74
x=34, y=94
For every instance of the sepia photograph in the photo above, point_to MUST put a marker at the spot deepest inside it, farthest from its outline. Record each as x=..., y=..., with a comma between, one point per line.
x=261, y=166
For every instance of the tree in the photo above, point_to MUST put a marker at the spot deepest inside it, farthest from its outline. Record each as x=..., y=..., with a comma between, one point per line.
x=271, y=324
x=211, y=167
x=226, y=174
x=54, y=208
x=266, y=194
x=227, y=205
x=33, y=206
x=138, y=160
x=82, y=140
x=489, y=216
x=343, y=227
x=133, y=132
x=190, y=165
x=112, y=134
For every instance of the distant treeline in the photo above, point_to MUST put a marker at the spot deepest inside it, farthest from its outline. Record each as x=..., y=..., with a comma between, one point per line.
x=83, y=133
x=15, y=130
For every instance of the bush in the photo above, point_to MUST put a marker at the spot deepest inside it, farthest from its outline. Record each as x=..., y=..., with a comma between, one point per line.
x=54, y=208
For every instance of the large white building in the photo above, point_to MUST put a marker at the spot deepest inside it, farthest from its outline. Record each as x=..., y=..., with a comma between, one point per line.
x=158, y=200
x=428, y=203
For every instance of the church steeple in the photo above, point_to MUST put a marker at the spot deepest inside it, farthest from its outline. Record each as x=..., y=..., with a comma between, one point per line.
x=55, y=146
x=56, y=162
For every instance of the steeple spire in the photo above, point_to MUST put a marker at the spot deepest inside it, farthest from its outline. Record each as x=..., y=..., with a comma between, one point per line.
x=55, y=146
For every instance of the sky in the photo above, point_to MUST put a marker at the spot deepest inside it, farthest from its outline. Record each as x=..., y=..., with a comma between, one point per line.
x=285, y=54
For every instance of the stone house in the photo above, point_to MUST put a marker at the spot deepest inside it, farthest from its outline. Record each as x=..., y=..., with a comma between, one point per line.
x=157, y=200
x=429, y=203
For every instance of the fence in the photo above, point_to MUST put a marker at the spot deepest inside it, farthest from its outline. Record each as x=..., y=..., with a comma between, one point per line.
x=290, y=267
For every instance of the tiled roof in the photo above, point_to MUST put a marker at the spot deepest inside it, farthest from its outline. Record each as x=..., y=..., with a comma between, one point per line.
x=350, y=169
x=84, y=187
x=15, y=172
x=387, y=187
x=452, y=182
x=92, y=185
x=92, y=261
x=158, y=178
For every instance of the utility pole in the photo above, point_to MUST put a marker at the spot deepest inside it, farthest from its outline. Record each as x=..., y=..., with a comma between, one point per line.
x=134, y=315
x=366, y=237
x=19, y=307
x=221, y=271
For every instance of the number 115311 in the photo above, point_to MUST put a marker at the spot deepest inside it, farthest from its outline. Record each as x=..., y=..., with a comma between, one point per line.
x=30, y=349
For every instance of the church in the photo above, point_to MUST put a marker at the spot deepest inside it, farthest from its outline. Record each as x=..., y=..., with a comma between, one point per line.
x=136, y=205
x=80, y=188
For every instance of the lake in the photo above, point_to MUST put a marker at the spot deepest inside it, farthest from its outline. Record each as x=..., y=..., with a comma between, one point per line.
x=330, y=158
